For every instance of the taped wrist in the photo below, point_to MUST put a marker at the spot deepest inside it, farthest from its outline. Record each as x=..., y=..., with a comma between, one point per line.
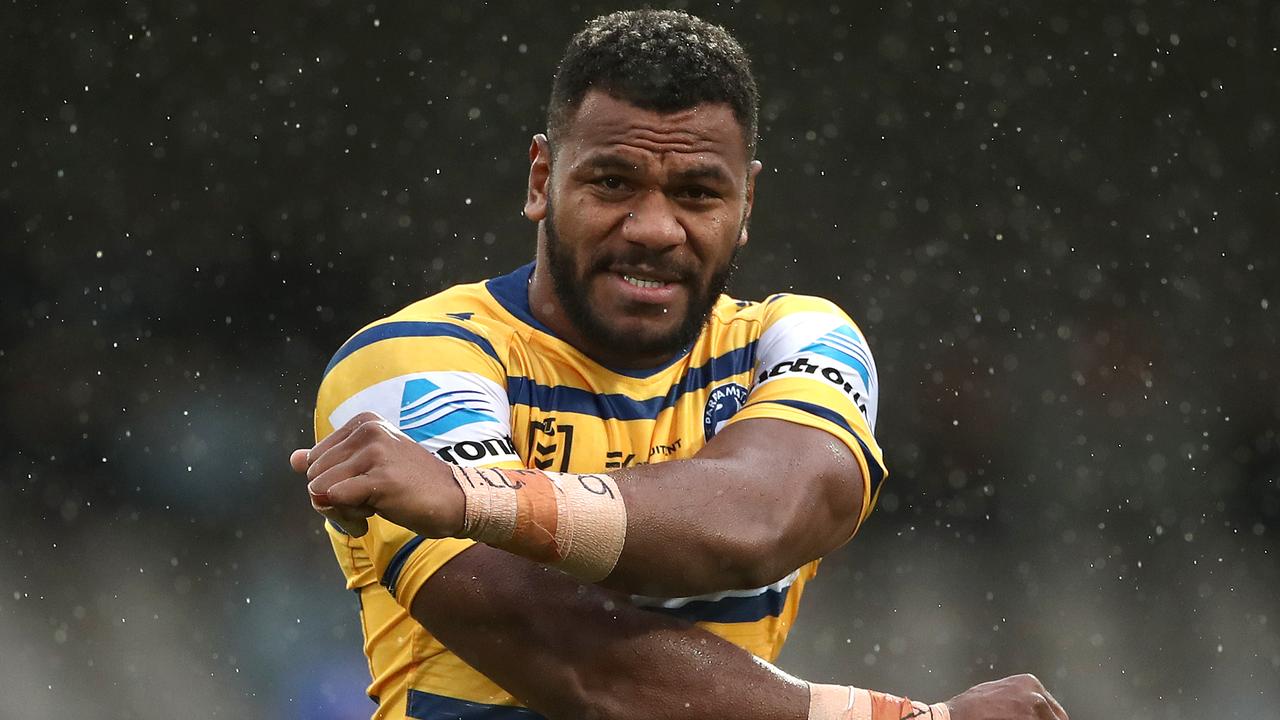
x=841, y=702
x=576, y=523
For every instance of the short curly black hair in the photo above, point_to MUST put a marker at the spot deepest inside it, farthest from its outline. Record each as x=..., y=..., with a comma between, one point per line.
x=662, y=60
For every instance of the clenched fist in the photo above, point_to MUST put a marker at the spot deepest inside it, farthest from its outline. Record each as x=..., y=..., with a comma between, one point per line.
x=368, y=466
x=1020, y=697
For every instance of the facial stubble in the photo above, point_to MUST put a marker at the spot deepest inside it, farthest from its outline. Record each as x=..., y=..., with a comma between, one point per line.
x=571, y=291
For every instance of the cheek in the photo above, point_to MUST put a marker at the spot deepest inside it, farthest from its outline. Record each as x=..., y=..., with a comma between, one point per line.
x=583, y=229
x=720, y=238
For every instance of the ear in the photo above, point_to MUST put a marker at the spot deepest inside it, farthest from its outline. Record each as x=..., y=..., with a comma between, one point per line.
x=753, y=170
x=535, y=204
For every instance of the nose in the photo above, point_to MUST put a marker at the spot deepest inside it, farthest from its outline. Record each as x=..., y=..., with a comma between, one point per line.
x=652, y=222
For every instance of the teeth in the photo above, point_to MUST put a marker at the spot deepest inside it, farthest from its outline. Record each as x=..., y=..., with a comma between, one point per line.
x=639, y=282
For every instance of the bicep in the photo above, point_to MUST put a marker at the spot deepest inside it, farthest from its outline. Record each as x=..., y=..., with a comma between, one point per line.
x=815, y=370
x=809, y=477
x=761, y=499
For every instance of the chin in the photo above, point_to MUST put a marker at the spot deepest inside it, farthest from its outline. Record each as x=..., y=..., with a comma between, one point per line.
x=646, y=339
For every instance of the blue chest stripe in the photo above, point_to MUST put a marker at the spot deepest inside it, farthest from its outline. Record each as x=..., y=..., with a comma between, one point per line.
x=429, y=706
x=616, y=406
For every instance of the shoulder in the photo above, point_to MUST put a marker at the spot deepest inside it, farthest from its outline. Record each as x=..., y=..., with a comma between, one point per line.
x=808, y=343
x=781, y=305
x=456, y=322
x=782, y=309
x=787, y=327
x=446, y=344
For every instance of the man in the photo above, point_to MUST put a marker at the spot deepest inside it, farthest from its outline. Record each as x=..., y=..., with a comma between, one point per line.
x=620, y=451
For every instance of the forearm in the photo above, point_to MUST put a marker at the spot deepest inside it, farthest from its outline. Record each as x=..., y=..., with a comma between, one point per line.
x=681, y=528
x=575, y=651
x=758, y=501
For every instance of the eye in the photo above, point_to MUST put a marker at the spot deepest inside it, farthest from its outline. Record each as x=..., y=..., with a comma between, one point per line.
x=698, y=193
x=611, y=182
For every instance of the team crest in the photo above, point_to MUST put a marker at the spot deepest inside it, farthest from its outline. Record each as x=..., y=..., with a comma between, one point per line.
x=722, y=405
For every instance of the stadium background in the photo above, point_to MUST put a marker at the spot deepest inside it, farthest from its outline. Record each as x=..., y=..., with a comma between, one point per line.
x=1056, y=221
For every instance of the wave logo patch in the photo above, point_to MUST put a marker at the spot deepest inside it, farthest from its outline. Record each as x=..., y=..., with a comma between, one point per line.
x=427, y=411
x=845, y=347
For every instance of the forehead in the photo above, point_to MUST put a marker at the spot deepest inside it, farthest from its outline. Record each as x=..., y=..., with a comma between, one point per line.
x=707, y=132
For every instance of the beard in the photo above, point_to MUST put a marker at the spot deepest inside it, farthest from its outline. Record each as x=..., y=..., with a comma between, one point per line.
x=571, y=290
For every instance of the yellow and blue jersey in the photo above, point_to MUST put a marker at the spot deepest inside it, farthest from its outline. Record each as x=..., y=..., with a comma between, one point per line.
x=471, y=375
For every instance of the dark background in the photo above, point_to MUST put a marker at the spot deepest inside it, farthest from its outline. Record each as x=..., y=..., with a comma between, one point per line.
x=1055, y=221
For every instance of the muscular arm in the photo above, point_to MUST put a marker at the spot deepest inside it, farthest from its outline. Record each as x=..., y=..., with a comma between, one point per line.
x=761, y=499
x=580, y=652
x=570, y=650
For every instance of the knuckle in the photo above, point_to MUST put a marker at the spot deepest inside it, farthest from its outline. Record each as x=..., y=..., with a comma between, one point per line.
x=371, y=454
x=364, y=417
x=367, y=431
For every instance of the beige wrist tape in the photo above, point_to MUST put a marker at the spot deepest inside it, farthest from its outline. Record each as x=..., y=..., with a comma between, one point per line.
x=577, y=523
x=841, y=702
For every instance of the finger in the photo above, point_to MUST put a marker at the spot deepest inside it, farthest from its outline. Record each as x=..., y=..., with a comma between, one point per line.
x=353, y=493
x=341, y=434
x=321, y=485
x=298, y=460
x=348, y=516
x=1058, y=711
x=1042, y=707
x=343, y=451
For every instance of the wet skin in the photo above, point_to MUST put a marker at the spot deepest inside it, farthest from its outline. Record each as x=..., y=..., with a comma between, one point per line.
x=642, y=212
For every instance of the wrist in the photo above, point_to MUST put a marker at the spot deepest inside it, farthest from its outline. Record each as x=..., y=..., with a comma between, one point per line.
x=842, y=702
x=456, y=520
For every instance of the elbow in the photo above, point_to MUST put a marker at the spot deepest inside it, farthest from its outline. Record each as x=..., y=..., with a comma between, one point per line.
x=577, y=694
x=606, y=708
x=609, y=677
x=764, y=551
x=792, y=532
x=756, y=559
x=597, y=694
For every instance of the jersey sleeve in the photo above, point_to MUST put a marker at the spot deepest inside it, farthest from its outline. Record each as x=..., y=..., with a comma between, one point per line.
x=813, y=367
x=442, y=383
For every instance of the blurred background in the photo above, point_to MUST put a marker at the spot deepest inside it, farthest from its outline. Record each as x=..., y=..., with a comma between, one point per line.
x=1055, y=221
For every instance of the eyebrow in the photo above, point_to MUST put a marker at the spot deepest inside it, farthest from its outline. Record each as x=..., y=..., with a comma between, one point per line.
x=700, y=171
x=703, y=171
x=608, y=161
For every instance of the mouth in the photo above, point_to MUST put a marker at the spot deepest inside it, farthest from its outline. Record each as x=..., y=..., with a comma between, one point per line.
x=643, y=282
x=645, y=286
